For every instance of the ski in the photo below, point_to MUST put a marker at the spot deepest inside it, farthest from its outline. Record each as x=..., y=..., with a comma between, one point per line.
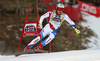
x=30, y=51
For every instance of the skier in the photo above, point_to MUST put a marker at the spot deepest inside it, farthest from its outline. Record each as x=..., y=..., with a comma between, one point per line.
x=56, y=18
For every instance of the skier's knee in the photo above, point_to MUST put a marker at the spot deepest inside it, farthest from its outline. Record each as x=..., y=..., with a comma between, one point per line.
x=54, y=34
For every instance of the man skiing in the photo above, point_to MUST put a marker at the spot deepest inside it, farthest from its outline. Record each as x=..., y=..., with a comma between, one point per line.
x=55, y=20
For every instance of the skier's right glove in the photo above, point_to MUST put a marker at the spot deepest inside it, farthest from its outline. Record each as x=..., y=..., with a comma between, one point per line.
x=40, y=26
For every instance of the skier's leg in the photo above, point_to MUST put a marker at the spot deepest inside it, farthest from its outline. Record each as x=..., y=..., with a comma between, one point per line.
x=52, y=35
x=34, y=41
x=42, y=34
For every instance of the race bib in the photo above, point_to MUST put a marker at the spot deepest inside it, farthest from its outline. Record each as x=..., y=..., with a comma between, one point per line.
x=57, y=20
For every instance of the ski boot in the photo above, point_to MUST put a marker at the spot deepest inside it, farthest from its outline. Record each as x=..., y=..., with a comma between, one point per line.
x=40, y=46
x=27, y=48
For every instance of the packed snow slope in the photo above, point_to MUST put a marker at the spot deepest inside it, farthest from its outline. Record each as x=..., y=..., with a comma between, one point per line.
x=78, y=55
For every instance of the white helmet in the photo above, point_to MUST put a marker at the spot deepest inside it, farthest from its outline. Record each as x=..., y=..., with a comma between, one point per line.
x=60, y=5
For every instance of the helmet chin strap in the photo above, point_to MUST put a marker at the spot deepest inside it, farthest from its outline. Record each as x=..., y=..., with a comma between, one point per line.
x=56, y=12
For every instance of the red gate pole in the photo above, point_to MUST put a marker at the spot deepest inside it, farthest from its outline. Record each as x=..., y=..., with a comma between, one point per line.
x=50, y=44
x=37, y=12
x=22, y=31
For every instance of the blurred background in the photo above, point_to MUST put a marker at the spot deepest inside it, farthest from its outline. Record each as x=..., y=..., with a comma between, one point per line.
x=13, y=14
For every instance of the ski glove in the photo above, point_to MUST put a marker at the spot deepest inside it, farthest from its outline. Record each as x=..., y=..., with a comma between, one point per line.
x=40, y=26
x=77, y=31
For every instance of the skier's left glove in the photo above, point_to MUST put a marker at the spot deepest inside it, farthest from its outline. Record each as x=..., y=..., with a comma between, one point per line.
x=77, y=31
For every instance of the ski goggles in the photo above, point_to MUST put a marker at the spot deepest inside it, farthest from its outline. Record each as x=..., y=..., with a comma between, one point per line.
x=60, y=9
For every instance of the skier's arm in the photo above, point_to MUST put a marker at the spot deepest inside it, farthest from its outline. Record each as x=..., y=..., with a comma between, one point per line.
x=71, y=23
x=42, y=18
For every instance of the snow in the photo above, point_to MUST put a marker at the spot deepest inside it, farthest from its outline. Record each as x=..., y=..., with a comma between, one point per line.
x=76, y=55
x=93, y=23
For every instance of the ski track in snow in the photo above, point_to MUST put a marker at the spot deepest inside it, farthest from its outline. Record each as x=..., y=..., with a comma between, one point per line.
x=78, y=55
